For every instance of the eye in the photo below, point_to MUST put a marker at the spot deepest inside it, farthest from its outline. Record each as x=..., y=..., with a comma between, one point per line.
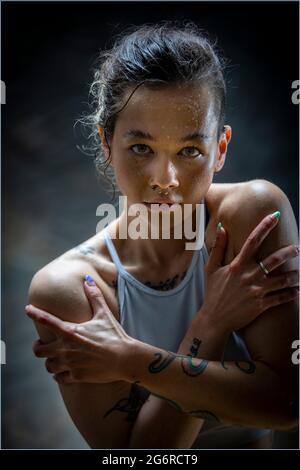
x=192, y=154
x=142, y=149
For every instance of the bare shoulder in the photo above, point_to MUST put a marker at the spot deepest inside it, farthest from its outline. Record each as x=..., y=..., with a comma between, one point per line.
x=243, y=205
x=242, y=210
x=58, y=286
x=253, y=196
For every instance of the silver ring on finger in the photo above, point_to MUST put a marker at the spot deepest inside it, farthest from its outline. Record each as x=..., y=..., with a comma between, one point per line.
x=263, y=268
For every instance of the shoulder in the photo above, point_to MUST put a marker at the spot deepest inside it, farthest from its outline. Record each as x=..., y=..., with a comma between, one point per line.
x=253, y=197
x=246, y=204
x=58, y=286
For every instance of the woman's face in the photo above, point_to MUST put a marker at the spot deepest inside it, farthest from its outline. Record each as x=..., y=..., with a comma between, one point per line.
x=166, y=138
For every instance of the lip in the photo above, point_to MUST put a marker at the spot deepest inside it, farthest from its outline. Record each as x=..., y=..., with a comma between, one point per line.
x=161, y=201
x=157, y=205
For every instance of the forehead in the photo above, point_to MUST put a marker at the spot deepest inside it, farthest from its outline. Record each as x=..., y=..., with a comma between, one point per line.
x=176, y=109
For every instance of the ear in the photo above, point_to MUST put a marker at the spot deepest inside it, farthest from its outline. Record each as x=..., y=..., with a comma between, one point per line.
x=103, y=141
x=224, y=140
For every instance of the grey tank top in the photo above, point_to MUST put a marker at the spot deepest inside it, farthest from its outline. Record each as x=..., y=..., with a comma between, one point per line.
x=161, y=318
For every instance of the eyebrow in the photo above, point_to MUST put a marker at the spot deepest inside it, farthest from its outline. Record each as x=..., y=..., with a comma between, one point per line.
x=137, y=133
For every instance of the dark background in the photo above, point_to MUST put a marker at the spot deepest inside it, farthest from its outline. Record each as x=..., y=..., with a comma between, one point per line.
x=50, y=190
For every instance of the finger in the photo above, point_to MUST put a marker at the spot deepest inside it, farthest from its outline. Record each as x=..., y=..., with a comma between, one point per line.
x=282, y=281
x=257, y=236
x=55, y=366
x=65, y=378
x=46, y=350
x=36, y=344
x=45, y=318
x=95, y=297
x=218, y=250
x=282, y=298
x=280, y=256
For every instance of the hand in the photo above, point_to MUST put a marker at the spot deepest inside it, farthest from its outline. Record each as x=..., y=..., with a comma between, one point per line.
x=95, y=351
x=237, y=293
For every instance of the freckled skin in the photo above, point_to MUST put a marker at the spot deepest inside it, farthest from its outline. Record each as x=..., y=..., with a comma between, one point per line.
x=167, y=114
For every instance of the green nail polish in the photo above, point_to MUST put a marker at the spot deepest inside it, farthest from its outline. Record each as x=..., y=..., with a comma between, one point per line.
x=277, y=214
x=219, y=226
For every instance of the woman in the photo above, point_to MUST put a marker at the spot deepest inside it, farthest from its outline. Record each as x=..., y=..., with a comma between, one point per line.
x=159, y=103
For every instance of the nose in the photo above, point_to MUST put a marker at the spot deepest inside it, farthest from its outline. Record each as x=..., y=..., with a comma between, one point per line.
x=164, y=174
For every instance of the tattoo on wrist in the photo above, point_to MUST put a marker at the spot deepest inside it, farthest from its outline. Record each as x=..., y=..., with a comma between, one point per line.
x=193, y=370
x=161, y=363
x=248, y=367
x=187, y=365
x=194, y=349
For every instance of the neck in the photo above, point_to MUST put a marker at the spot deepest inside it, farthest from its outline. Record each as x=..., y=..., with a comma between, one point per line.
x=160, y=250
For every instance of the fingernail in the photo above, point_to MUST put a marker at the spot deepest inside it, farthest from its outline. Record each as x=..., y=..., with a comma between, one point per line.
x=27, y=307
x=219, y=226
x=297, y=248
x=276, y=215
x=89, y=280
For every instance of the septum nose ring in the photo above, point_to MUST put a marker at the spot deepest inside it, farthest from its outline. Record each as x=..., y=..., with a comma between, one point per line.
x=165, y=193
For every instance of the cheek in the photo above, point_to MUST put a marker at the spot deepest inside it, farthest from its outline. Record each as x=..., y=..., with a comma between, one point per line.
x=199, y=174
x=128, y=174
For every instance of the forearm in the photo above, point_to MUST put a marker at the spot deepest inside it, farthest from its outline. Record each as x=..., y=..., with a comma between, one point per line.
x=160, y=424
x=243, y=393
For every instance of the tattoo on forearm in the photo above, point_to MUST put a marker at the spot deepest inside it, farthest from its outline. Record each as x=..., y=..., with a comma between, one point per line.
x=171, y=402
x=132, y=404
x=187, y=365
x=193, y=370
x=194, y=349
x=204, y=414
x=222, y=362
x=248, y=367
x=161, y=363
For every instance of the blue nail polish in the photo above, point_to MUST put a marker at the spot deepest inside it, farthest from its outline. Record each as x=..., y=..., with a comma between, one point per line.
x=89, y=280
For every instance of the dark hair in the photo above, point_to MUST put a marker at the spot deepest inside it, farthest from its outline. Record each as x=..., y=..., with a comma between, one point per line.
x=164, y=53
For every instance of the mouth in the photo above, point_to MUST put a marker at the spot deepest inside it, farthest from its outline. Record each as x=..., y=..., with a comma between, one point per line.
x=161, y=205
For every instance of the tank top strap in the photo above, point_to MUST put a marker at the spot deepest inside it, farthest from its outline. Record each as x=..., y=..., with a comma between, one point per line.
x=115, y=257
x=117, y=262
x=112, y=250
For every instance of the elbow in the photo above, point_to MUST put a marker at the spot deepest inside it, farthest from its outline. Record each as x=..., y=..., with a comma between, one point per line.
x=288, y=418
x=290, y=422
x=284, y=403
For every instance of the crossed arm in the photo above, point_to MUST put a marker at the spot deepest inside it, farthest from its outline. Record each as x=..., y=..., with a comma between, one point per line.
x=261, y=393
x=163, y=424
